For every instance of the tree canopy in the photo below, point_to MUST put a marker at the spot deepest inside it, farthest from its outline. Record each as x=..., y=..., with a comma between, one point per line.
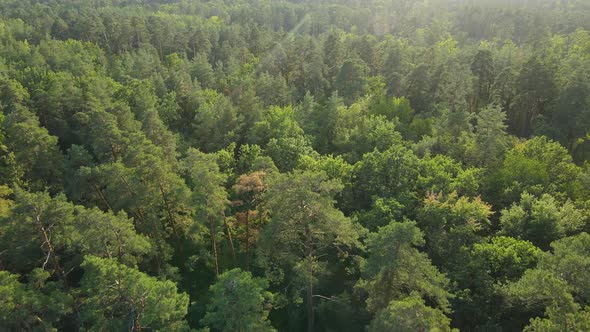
x=294, y=165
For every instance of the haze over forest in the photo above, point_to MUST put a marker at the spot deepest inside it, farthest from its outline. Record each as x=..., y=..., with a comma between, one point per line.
x=294, y=165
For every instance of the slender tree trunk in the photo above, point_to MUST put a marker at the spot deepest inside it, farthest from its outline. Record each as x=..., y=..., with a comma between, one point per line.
x=247, y=239
x=310, y=311
x=214, y=248
x=102, y=197
x=51, y=255
x=169, y=211
x=136, y=323
x=231, y=241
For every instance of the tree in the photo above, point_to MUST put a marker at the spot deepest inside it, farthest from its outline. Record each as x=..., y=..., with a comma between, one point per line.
x=250, y=189
x=358, y=133
x=273, y=90
x=537, y=166
x=52, y=233
x=304, y=227
x=505, y=258
x=37, y=305
x=491, y=264
x=286, y=152
x=209, y=197
x=452, y=224
x=216, y=122
x=542, y=220
x=350, y=81
x=537, y=89
x=324, y=119
x=443, y=175
x=491, y=139
x=142, y=183
x=557, y=286
x=333, y=54
x=482, y=67
x=277, y=122
x=37, y=233
x=410, y=314
x=117, y=297
x=143, y=102
x=395, y=269
x=109, y=235
x=388, y=174
x=558, y=321
x=239, y=302
x=33, y=158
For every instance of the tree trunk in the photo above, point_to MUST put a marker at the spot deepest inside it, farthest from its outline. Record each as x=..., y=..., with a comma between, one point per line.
x=310, y=311
x=51, y=255
x=247, y=240
x=102, y=197
x=169, y=211
x=231, y=241
x=214, y=248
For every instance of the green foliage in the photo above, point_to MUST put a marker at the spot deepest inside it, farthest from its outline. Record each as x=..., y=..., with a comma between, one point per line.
x=215, y=123
x=542, y=220
x=239, y=302
x=558, y=285
x=57, y=233
x=410, y=314
x=490, y=265
x=32, y=156
x=443, y=175
x=37, y=232
x=208, y=196
x=536, y=166
x=450, y=225
x=388, y=174
x=304, y=214
x=505, y=258
x=305, y=228
x=491, y=139
x=118, y=297
x=166, y=142
x=395, y=269
x=37, y=305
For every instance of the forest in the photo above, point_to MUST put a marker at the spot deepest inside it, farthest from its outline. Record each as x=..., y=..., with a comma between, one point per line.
x=295, y=165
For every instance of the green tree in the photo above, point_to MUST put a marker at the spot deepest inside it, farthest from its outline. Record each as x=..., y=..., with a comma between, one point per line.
x=109, y=235
x=557, y=288
x=32, y=157
x=542, y=220
x=388, y=174
x=443, y=175
x=350, y=81
x=38, y=232
x=490, y=265
x=277, y=122
x=305, y=226
x=395, y=269
x=537, y=89
x=53, y=233
x=251, y=215
x=209, y=197
x=482, y=67
x=452, y=224
x=216, y=122
x=36, y=306
x=537, y=166
x=239, y=302
x=491, y=139
x=122, y=298
x=410, y=314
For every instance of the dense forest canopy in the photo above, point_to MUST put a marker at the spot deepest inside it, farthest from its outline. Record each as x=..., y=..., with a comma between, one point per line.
x=295, y=165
